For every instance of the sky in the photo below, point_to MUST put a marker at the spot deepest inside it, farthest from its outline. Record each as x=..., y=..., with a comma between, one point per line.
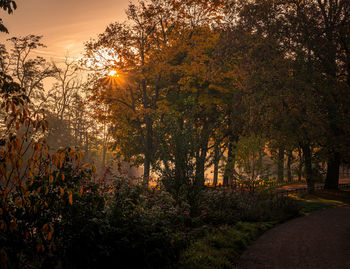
x=64, y=24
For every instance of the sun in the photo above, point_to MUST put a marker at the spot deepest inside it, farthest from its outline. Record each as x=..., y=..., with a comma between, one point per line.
x=104, y=60
x=112, y=73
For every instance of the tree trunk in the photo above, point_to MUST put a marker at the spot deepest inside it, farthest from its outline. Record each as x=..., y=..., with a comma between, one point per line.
x=280, y=164
x=333, y=165
x=180, y=157
x=148, y=150
x=216, y=164
x=308, y=168
x=289, y=166
x=201, y=158
x=86, y=155
x=300, y=166
x=230, y=165
x=104, y=150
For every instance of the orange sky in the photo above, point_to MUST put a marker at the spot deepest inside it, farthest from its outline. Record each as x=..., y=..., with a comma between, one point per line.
x=65, y=24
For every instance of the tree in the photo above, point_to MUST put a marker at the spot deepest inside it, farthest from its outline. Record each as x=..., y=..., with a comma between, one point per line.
x=321, y=32
x=141, y=48
x=29, y=72
x=9, y=6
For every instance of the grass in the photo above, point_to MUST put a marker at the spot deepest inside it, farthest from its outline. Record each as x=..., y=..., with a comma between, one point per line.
x=221, y=247
x=322, y=199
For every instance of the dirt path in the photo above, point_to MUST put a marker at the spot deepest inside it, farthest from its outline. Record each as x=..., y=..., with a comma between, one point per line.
x=318, y=241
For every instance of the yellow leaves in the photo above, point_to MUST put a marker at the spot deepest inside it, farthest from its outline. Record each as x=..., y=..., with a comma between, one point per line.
x=81, y=191
x=62, y=177
x=50, y=179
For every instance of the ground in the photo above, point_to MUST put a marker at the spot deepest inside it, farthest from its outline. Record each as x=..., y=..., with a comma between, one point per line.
x=320, y=240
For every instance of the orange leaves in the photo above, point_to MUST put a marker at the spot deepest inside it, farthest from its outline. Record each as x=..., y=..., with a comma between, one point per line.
x=61, y=192
x=48, y=231
x=70, y=197
x=18, y=202
x=37, y=147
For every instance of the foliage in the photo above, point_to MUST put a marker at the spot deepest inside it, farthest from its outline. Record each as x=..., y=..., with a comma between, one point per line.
x=41, y=193
x=9, y=6
x=221, y=247
x=223, y=207
x=146, y=226
x=322, y=199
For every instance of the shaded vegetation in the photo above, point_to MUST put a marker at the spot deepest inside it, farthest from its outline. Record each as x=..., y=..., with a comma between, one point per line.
x=234, y=85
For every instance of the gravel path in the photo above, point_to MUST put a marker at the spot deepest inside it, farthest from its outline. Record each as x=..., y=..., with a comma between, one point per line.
x=318, y=241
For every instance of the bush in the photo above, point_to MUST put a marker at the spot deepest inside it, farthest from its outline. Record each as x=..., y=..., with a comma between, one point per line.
x=222, y=207
x=147, y=226
x=219, y=207
x=43, y=216
x=269, y=208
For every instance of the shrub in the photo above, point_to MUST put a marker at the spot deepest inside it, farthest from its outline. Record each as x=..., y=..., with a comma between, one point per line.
x=147, y=226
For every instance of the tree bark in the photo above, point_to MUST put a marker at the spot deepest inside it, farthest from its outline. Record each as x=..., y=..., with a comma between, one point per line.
x=86, y=155
x=300, y=166
x=216, y=164
x=180, y=157
x=230, y=165
x=104, y=150
x=333, y=165
x=308, y=168
x=280, y=164
x=201, y=158
x=289, y=166
x=148, y=150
